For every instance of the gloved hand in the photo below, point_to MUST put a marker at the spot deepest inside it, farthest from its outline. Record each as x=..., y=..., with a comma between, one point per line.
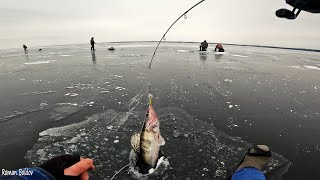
x=69, y=167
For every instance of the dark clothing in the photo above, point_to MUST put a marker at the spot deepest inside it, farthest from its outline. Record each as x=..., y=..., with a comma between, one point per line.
x=92, y=44
x=219, y=47
x=221, y=50
x=203, y=46
x=25, y=47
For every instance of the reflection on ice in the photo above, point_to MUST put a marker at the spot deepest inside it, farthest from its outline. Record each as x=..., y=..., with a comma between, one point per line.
x=237, y=55
x=306, y=67
x=184, y=51
x=37, y=93
x=120, y=88
x=18, y=113
x=72, y=104
x=312, y=67
x=41, y=62
x=132, y=55
x=71, y=94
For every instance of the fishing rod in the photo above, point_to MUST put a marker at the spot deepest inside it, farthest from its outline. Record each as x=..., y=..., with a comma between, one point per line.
x=149, y=89
x=163, y=37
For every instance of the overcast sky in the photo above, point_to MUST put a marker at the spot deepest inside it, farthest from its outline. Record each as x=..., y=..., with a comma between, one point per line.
x=47, y=22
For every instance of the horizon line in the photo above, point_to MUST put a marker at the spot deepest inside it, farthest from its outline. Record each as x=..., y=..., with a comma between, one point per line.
x=232, y=44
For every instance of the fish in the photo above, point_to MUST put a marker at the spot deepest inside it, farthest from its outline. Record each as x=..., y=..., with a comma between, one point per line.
x=147, y=143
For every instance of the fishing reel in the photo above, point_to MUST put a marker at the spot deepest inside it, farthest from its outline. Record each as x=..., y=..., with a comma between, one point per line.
x=312, y=6
x=285, y=13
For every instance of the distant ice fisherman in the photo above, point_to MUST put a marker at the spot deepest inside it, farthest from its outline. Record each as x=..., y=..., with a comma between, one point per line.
x=219, y=48
x=204, y=46
x=92, y=44
x=25, y=47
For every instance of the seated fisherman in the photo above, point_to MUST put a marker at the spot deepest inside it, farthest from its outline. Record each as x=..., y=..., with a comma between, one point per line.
x=204, y=46
x=219, y=48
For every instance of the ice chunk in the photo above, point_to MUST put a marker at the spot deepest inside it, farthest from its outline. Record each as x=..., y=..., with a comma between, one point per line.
x=120, y=88
x=71, y=94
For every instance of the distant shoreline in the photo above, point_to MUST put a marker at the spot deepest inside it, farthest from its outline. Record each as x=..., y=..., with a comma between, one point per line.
x=189, y=42
x=232, y=44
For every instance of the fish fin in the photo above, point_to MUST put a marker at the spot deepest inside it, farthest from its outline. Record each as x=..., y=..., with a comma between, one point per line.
x=135, y=142
x=161, y=141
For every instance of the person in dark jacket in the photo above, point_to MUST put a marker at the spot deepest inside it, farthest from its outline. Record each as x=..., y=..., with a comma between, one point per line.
x=92, y=44
x=25, y=47
x=204, y=46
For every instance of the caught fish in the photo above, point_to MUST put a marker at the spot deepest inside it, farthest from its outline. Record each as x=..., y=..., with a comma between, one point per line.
x=147, y=143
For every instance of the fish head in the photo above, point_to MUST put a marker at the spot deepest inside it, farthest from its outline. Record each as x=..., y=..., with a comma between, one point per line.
x=153, y=125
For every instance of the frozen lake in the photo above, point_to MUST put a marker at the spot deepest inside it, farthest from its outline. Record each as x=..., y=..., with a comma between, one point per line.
x=212, y=107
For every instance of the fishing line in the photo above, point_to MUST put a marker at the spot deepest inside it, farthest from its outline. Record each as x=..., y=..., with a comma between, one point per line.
x=119, y=171
x=163, y=37
x=150, y=103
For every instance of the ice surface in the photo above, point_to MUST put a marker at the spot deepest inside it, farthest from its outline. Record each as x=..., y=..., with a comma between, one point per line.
x=237, y=55
x=306, y=67
x=198, y=148
x=120, y=88
x=71, y=94
x=132, y=55
x=72, y=104
x=228, y=80
x=37, y=93
x=184, y=51
x=18, y=113
x=312, y=67
x=41, y=62
x=220, y=53
x=263, y=83
x=62, y=110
